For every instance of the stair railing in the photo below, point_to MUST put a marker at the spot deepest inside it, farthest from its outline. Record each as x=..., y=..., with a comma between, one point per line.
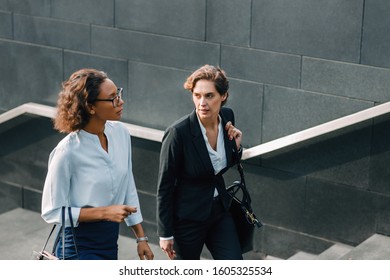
x=282, y=142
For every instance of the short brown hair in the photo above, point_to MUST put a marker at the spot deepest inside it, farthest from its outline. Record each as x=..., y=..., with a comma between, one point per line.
x=210, y=73
x=80, y=90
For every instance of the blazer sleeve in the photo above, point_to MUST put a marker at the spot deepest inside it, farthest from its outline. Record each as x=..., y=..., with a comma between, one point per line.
x=169, y=157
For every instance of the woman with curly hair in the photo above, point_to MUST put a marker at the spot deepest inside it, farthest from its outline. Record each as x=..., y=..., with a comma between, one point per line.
x=90, y=170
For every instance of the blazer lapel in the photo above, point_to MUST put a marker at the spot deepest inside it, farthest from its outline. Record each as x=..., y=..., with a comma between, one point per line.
x=199, y=143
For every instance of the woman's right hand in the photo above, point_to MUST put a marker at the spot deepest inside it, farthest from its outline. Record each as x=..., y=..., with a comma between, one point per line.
x=112, y=213
x=118, y=213
x=167, y=248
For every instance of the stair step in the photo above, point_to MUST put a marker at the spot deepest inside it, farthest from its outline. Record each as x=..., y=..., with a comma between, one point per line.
x=335, y=252
x=23, y=231
x=301, y=255
x=271, y=258
x=377, y=247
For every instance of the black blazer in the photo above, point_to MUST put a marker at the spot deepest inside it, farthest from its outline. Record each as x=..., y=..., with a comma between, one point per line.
x=186, y=179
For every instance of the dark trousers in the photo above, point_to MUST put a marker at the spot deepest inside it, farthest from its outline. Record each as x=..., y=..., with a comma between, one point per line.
x=218, y=233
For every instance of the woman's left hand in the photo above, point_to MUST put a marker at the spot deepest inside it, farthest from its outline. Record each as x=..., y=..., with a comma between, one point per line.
x=234, y=133
x=144, y=251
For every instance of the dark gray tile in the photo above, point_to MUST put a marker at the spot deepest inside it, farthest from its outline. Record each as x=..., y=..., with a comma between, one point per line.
x=380, y=156
x=383, y=214
x=21, y=173
x=278, y=198
x=310, y=28
x=26, y=150
x=289, y=110
x=376, y=36
x=340, y=213
x=166, y=17
x=5, y=25
x=281, y=243
x=229, y=22
x=145, y=158
x=154, y=49
x=246, y=100
x=28, y=7
x=30, y=73
x=154, y=91
x=100, y=12
x=382, y=208
x=50, y=32
x=32, y=199
x=10, y=195
x=345, y=79
x=148, y=206
x=261, y=66
x=340, y=157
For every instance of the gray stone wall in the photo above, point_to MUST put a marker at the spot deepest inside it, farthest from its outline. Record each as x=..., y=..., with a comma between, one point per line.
x=292, y=65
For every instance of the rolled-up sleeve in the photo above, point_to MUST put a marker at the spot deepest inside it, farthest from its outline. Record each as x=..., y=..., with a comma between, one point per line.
x=56, y=188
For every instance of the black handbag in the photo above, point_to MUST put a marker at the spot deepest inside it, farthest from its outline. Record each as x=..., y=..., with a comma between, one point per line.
x=242, y=213
x=45, y=255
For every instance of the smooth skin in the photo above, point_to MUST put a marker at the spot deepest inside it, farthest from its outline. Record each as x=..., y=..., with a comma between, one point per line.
x=102, y=111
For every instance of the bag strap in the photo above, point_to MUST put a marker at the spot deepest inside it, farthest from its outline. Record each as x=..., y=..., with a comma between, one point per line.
x=48, y=238
x=246, y=199
x=243, y=184
x=73, y=232
x=62, y=230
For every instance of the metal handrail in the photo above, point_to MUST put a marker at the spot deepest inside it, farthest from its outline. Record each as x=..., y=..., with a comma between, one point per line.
x=316, y=131
x=49, y=112
x=157, y=135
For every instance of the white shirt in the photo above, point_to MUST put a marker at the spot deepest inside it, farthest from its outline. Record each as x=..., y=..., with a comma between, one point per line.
x=218, y=157
x=82, y=174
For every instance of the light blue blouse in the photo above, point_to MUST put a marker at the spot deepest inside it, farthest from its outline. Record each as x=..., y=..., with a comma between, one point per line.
x=82, y=174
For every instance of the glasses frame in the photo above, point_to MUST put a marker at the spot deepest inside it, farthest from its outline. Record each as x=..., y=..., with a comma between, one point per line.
x=118, y=96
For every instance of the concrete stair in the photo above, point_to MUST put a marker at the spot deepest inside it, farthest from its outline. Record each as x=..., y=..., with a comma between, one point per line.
x=23, y=231
x=376, y=247
x=335, y=252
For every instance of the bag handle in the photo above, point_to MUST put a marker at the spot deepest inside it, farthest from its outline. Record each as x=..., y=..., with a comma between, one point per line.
x=246, y=200
x=62, y=229
x=48, y=238
x=63, y=232
x=73, y=232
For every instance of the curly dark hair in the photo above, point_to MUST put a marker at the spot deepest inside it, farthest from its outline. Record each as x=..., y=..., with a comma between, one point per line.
x=79, y=91
x=210, y=73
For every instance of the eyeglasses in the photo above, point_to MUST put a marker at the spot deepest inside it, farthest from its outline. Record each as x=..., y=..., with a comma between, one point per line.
x=115, y=100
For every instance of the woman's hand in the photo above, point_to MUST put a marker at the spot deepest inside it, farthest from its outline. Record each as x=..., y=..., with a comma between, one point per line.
x=144, y=251
x=167, y=247
x=234, y=133
x=118, y=213
x=113, y=213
